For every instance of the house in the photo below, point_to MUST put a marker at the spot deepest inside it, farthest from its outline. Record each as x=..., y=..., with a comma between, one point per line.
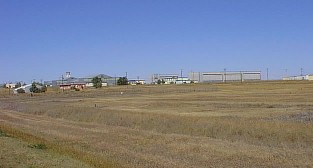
x=136, y=82
x=183, y=80
x=76, y=86
x=10, y=85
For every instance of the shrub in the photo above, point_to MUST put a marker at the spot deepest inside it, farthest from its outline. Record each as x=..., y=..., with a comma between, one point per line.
x=20, y=90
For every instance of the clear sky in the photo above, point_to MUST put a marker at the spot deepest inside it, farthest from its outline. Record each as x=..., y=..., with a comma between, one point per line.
x=42, y=39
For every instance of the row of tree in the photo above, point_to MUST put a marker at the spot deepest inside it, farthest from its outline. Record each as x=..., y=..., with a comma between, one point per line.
x=35, y=88
x=97, y=82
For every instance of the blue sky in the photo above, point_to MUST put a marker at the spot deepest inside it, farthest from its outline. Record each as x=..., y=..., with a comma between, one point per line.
x=42, y=39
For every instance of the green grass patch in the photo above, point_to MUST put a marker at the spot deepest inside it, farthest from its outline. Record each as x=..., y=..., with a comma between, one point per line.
x=41, y=143
x=38, y=146
x=3, y=134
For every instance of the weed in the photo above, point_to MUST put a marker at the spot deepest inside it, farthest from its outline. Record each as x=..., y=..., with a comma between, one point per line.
x=38, y=146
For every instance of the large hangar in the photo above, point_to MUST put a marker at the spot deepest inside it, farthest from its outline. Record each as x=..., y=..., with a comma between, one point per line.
x=207, y=77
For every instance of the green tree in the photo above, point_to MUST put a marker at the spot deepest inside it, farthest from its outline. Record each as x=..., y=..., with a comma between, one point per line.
x=18, y=84
x=97, y=82
x=122, y=81
x=161, y=82
x=34, y=88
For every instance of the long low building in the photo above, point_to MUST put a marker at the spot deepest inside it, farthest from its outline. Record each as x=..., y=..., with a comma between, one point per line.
x=301, y=77
x=87, y=81
x=164, y=78
x=207, y=77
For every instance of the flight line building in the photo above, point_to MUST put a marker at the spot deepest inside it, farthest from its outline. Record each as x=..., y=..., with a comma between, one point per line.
x=207, y=77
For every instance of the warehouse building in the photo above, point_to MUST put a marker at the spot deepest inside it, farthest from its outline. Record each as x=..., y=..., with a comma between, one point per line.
x=301, y=77
x=67, y=80
x=164, y=78
x=208, y=77
x=169, y=79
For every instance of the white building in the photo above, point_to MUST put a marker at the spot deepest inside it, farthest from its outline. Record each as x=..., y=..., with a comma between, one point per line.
x=164, y=78
x=10, y=85
x=206, y=77
x=136, y=82
x=182, y=80
x=300, y=77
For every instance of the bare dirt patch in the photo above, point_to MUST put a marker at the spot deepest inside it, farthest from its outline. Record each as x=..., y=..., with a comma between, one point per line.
x=304, y=117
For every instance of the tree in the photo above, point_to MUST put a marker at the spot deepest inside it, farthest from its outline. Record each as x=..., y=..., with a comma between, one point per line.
x=97, y=82
x=34, y=88
x=18, y=84
x=161, y=81
x=122, y=81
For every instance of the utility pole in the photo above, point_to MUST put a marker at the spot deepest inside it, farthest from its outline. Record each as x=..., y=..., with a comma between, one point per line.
x=126, y=74
x=241, y=76
x=115, y=79
x=301, y=71
x=267, y=73
x=181, y=73
x=62, y=83
x=286, y=72
x=224, y=75
x=193, y=76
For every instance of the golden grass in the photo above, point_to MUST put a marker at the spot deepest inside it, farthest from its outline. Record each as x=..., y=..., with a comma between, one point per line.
x=254, y=124
x=17, y=153
x=90, y=159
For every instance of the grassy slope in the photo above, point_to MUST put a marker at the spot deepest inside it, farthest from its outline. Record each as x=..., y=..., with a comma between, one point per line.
x=246, y=125
x=17, y=153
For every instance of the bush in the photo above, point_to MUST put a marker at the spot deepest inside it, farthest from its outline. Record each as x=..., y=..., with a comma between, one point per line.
x=20, y=90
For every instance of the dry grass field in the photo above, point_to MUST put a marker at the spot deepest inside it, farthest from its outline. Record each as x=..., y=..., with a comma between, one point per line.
x=254, y=124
